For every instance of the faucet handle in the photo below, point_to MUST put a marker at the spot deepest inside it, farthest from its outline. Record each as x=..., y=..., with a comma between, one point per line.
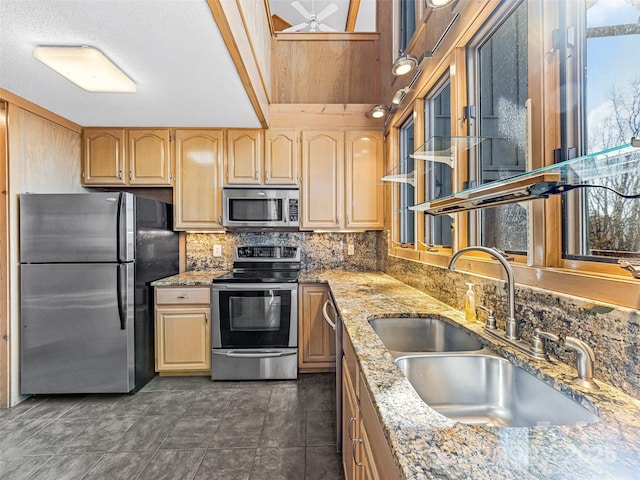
x=584, y=362
x=537, y=343
x=491, y=320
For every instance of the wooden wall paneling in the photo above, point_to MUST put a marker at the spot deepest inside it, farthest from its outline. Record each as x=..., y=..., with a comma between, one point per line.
x=255, y=18
x=334, y=68
x=44, y=157
x=330, y=116
x=38, y=110
x=4, y=262
x=232, y=25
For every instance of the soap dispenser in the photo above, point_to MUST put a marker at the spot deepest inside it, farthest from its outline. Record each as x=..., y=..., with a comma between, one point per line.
x=470, y=304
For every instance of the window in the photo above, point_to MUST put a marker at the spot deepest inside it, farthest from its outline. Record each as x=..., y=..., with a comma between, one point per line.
x=498, y=88
x=407, y=22
x=406, y=233
x=437, y=178
x=603, y=112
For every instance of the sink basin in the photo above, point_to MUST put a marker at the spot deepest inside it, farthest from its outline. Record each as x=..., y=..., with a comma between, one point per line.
x=488, y=390
x=419, y=335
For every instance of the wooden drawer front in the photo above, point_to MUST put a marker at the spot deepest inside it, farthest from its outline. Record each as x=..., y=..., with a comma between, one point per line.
x=184, y=295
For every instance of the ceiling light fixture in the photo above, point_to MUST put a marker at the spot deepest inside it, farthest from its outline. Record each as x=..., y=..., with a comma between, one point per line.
x=438, y=3
x=399, y=96
x=379, y=111
x=404, y=64
x=87, y=67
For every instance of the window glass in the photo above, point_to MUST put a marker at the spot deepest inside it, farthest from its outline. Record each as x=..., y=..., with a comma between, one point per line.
x=407, y=22
x=437, y=229
x=406, y=190
x=604, y=112
x=501, y=93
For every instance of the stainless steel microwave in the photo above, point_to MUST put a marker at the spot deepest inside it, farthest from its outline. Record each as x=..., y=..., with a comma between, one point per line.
x=261, y=208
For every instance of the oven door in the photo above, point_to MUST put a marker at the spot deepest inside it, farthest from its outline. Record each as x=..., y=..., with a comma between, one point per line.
x=254, y=315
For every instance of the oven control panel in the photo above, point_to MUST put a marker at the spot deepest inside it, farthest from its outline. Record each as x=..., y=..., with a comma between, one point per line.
x=267, y=253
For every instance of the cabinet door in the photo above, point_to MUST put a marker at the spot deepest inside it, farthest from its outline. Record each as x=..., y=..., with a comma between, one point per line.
x=363, y=188
x=149, y=157
x=281, y=157
x=244, y=157
x=317, y=341
x=368, y=467
x=350, y=428
x=197, y=195
x=322, y=179
x=103, y=161
x=183, y=339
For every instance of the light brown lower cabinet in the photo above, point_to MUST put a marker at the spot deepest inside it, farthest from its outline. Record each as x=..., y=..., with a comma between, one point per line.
x=182, y=330
x=365, y=452
x=316, y=339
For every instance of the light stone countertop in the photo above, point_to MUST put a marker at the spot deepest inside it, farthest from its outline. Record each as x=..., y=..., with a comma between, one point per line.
x=427, y=445
x=185, y=279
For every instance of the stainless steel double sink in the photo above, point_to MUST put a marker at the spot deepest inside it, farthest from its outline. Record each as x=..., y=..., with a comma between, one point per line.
x=456, y=376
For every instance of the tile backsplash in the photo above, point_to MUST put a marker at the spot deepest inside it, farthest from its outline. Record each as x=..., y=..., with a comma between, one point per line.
x=319, y=251
x=612, y=331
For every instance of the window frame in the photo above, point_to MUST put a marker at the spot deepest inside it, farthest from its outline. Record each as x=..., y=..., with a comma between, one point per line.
x=544, y=268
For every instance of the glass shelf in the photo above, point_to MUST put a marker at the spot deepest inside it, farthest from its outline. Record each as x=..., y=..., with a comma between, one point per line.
x=435, y=150
x=593, y=170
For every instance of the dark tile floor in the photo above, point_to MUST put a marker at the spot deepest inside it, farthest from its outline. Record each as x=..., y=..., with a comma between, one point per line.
x=177, y=428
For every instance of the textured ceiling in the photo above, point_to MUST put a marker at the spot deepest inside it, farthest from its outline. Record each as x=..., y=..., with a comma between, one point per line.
x=172, y=49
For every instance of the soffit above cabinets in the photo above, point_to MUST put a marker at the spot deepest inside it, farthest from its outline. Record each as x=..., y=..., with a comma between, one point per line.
x=172, y=50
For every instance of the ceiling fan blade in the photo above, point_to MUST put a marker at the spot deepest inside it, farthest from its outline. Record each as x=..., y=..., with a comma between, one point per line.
x=303, y=11
x=295, y=28
x=326, y=28
x=329, y=10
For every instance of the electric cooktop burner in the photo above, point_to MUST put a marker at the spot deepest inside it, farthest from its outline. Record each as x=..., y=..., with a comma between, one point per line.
x=260, y=264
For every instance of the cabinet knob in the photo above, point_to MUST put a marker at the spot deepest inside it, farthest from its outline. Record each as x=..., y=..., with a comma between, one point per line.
x=268, y=175
x=120, y=174
x=130, y=175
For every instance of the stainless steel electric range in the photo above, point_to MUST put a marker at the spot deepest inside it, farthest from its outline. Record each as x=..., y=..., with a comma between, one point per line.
x=254, y=311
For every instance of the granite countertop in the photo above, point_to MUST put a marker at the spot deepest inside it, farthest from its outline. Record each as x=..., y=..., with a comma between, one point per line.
x=426, y=444
x=188, y=279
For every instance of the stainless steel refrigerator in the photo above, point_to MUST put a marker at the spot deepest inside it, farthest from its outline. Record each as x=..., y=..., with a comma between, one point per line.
x=86, y=304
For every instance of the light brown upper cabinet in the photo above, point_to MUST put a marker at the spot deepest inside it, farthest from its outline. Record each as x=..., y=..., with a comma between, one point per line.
x=197, y=196
x=341, y=180
x=103, y=161
x=149, y=157
x=364, y=163
x=322, y=180
x=126, y=157
x=244, y=157
x=281, y=158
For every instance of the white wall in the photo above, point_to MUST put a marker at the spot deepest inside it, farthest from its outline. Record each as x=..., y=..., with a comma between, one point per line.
x=44, y=157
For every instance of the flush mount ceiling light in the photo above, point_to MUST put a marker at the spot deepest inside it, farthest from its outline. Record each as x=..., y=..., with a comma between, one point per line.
x=404, y=64
x=87, y=67
x=379, y=111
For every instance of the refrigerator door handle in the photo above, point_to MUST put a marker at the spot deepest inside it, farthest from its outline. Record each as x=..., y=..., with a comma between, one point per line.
x=120, y=293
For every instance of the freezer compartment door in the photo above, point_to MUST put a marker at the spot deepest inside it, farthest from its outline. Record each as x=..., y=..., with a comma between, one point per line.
x=77, y=329
x=74, y=228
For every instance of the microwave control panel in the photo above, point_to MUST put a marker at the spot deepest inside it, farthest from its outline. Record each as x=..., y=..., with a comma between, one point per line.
x=293, y=209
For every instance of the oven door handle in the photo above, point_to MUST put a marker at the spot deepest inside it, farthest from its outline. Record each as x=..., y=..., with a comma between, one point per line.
x=255, y=286
x=254, y=354
x=325, y=314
